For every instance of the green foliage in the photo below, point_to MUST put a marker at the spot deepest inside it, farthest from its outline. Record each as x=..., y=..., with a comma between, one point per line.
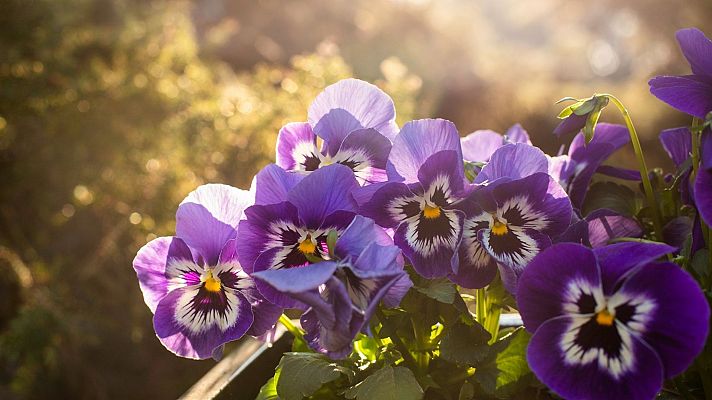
x=504, y=374
x=302, y=374
x=388, y=383
x=612, y=196
x=465, y=344
x=268, y=391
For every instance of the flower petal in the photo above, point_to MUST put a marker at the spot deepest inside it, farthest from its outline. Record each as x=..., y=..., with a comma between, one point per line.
x=690, y=94
x=479, y=146
x=677, y=142
x=593, y=379
x=443, y=177
x=209, y=216
x=604, y=225
x=296, y=148
x=553, y=279
x=617, y=259
x=417, y=141
x=192, y=324
x=476, y=267
x=151, y=263
x=391, y=204
x=365, y=151
x=703, y=194
x=571, y=125
x=680, y=317
x=364, y=103
x=517, y=134
x=273, y=183
x=297, y=280
x=697, y=49
x=358, y=235
x=513, y=161
x=322, y=193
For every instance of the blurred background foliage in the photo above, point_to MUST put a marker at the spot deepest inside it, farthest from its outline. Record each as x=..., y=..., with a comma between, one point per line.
x=111, y=111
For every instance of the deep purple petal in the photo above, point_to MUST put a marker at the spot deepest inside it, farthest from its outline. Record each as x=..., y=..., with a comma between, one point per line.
x=209, y=216
x=365, y=151
x=330, y=329
x=703, y=194
x=390, y=204
x=544, y=283
x=513, y=161
x=265, y=262
x=151, y=263
x=604, y=225
x=690, y=94
x=570, y=125
x=478, y=146
x=517, y=134
x=617, y=259
x=513, y=258
x=194, y=334
x=265, y=313
x=476, y=267
x=273, y=183
x=431, y=244
x=365, y=103
x=697, y=49
x=397, y=291
x=706, y=149
x=620, y=173
x=677, y=231
x=677, y=142
x=680, y=321
x=590, y=381
x=296, y=144
x=262, y=223
x=443, y=171
x=417, y=141
x=322, y=193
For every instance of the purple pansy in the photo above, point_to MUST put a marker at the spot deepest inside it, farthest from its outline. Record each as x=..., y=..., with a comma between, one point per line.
x=575, y=170
x=344, y=290
x=599, y=228
x=610, y=323
x=355, y=121
x=508, y=224
x=193, y=283
x=479, y=145
x=285, y=234
x=691, y=94
x=423, y=201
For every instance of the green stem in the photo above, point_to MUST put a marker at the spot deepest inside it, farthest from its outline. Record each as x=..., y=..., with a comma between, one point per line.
x=492, y=325
x=296, y=332
x=647, y=186
x=695, y=148
x=480, y=306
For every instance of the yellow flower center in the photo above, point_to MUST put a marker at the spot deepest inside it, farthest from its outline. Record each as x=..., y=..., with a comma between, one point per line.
x=431, y=212
x=306, y=246
x=605, y=318
x=212, y=284
x=499, y=228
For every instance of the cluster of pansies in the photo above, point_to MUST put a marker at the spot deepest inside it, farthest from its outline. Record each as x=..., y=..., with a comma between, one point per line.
x=357, y=214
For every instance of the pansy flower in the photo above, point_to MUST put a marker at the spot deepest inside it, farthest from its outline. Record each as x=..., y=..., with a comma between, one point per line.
x=344, y=290
x=575, y=170
x=355, y=121
x=691, y=94
x=610, y=323
x=288, y=233
x=511, y=218
x=479, y=145
x=193, y=283
x=423, y=199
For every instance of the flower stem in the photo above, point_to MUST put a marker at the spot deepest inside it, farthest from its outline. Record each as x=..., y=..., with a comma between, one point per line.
x=480, y=306
x=402, y=348
x=296, y=332
x=647, y=186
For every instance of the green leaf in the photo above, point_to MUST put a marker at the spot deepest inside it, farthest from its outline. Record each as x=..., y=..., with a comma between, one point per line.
x=563, y=99
x=388, y=383
x=440, y=289
x=585, y=106
x=467, y=392
x=269, y=389
x=331, y=241
x=612, y=196
x=302, y=374
x=507, y=370
x=591, y=122
x=366, y=347
x=700, y=263
x=465, y=344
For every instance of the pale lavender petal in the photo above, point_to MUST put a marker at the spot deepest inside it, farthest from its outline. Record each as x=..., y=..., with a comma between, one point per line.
x=358, y=235
x=513, y=161
x=604, y=225
x=417, y=141
x=296, y=147
x=478, y=146
x=273, y=183
x=151, y=263
x=365, y=151
x=209, y=216
x=570, y=125
x=366, y=103
x=517, y=134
